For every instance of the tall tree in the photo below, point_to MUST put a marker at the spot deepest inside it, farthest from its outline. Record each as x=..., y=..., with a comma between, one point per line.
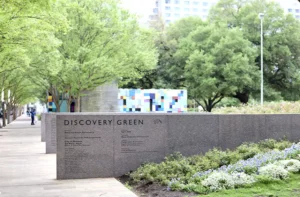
x=169, y=70
x=281, y=43
x=27, y=30
x=219, y=62
x=104, y=43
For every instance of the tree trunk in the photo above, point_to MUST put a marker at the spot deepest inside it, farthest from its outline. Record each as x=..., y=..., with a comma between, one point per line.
x=15, y=113
x=77, y=104
x=211, y=103
x=55, y=98
x=3, y=115
x=21, y=110
x=57, y=105
x=8, y=113
x=69, y=104
x=208, y=107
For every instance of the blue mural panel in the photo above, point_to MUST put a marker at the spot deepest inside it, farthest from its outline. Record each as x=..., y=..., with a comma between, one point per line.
x=152, y=100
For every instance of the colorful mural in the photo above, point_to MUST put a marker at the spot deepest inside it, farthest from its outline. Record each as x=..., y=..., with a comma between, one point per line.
x=152, y=100
x=51, y=104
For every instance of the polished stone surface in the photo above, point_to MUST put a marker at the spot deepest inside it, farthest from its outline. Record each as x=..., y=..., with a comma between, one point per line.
x=192, y=134
x=43, y=127
x=85, y=146
x=138, y=139
x=26, y=171
x=278, y=126
x=88, y=147
x=236, y=129
x=50, y=128
x=294, y=134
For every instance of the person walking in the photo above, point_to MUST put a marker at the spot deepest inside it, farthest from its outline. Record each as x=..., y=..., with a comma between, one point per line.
x=32, y=114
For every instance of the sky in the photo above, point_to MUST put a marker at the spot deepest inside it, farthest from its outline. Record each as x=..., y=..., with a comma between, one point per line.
x=140, y=7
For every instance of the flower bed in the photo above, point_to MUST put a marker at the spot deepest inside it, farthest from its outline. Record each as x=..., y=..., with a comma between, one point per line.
x=250, y=163
x=272, y=165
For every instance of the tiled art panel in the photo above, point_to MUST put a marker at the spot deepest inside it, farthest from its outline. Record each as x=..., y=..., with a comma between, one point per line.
x=152, y=100
x=50, y=104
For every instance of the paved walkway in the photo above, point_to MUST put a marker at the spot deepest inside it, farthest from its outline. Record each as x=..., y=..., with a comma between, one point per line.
x=26, y=171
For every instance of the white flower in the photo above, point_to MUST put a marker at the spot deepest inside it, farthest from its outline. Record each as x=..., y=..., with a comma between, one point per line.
x=291, y=165
x=218, y=181
x=273, y=171
x=240, y=179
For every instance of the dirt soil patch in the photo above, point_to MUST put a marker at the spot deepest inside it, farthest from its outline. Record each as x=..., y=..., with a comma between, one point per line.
x=150, y=189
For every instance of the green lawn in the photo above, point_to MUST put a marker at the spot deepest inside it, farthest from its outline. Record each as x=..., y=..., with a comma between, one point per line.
x=288, y=188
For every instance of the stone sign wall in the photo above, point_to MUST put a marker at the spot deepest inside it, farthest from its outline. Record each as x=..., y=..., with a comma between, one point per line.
x=43, y=127
x=110, y=145
x=138, y=139
x=50, y=130
x=85, y=145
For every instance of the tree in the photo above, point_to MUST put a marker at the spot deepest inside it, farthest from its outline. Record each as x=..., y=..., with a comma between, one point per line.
x=170, y=67
x=169, y=70
x=27, y=30
x=104, y=43
x=281, y=43
x=219, y=62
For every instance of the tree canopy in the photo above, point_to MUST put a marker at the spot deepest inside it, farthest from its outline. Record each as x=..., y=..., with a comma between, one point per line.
x=281, y=41
x=68, y=46
x=182, y=65
x=219, y=62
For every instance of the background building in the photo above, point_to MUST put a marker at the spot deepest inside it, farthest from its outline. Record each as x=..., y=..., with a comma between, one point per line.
x=290, y=6
x=172, y=10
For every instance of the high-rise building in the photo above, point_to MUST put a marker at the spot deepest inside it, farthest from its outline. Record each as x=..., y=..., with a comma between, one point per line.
x=172, y=10
x=290, y=6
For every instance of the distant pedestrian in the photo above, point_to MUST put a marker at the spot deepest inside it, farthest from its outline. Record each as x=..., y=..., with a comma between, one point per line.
x=32, y=114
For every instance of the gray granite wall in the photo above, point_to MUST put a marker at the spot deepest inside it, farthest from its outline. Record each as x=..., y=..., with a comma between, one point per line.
x=103, y=99
x=50, y=130
x=112, y=144
x=43, y=127
x=191, y=134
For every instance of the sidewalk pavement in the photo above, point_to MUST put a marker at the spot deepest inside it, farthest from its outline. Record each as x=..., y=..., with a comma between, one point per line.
x=26, y=171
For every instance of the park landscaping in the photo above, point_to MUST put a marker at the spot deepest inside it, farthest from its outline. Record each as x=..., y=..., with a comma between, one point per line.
x=266, y=168
x=283, y=107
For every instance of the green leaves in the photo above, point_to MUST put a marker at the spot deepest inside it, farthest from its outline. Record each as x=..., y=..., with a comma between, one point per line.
x=26, y=39
x=281, y=40
x=219, y=62
x=103, y=44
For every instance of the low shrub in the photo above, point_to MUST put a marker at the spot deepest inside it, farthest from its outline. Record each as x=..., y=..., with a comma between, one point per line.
x=218, y=181
x=291, y=165
x=274, y=172
x=268, y=108
x=222, y=180
x=242, y=164
x=241, y=179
